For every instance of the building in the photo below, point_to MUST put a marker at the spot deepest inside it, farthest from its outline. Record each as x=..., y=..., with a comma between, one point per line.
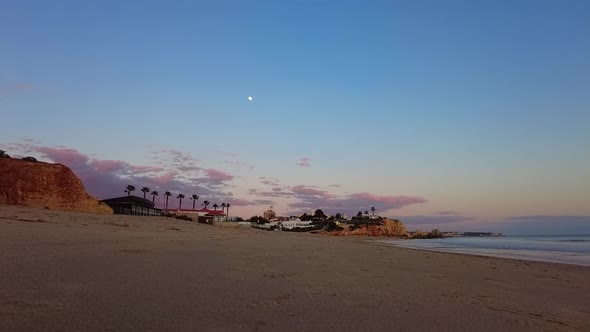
x=132, y=205
x=295, y=223
x=201, y=215
x=269, y=214
x=270, y=226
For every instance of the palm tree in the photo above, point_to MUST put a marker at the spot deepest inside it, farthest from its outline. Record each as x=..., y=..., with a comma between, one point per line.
x=373, y=210
x=194, y=198
x=154, y=194
x=167, y=194
x=366, y=214
x=215, y=206
x=180, y=197
x=145, y=190
x=206, y=203
x=129, y=189
x=227, y=205
x=223, y=207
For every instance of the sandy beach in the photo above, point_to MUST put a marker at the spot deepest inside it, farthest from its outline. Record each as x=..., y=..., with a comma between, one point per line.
x=76, y=271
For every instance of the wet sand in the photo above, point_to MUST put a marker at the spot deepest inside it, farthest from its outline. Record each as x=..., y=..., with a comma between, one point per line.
x=75, y=271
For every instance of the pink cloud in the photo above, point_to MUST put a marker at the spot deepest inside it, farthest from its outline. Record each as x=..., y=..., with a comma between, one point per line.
x=302, y=190
x=308, y=197
x=62, y=155
x=164, y=179
x=179, y=173
x=145, y=169
x=108, y=178
x=353, y=203
x=304, y=162
x=108, y=165
x=217, y=175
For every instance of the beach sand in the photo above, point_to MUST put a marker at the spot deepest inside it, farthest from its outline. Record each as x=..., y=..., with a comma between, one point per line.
x=74, y=271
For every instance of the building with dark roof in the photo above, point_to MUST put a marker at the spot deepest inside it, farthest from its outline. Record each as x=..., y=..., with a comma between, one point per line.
x=202, y=215
x=132, y=205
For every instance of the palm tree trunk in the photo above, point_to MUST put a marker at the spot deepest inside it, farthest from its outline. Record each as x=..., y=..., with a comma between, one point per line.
x=179, y=203
x=154, y=199
x=144, y=195
x=166, y=203
x=227, y=213
x=194, y=201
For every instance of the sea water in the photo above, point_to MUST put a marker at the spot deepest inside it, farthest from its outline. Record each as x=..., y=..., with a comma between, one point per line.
x=568, y=249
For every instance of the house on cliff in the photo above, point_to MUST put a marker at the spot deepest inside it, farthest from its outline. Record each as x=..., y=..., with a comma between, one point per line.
x=202, y=215
x=132, y=205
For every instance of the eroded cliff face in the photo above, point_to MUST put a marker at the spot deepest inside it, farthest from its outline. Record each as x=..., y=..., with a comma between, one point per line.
x=390, y=228
x=45, y=185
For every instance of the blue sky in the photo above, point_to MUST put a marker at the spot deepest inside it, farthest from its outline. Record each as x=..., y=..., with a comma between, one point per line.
x=481, y=108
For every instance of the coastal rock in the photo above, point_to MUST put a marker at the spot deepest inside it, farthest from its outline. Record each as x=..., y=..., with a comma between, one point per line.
x=44, y=185
x=388, y=228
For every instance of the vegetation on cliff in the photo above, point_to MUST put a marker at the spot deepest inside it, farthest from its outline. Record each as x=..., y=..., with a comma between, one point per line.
x=373, y=227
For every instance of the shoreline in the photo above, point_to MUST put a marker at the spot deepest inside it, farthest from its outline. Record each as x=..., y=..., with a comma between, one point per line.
x=80, y=271
x=571, y=249
x=466, y=252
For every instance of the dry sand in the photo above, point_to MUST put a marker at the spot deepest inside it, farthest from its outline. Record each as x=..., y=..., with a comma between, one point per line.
x=73, y=271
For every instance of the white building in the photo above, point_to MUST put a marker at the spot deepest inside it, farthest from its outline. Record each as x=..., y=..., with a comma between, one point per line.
x=295, y=222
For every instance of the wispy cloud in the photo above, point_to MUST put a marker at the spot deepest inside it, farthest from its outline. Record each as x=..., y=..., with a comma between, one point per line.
x=217, y=176
x=304, y=162
x=228, y=154
x=447, y=213
x=269, y=181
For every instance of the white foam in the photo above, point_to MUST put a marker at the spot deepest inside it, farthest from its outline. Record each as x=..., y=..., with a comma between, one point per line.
x=575, y=258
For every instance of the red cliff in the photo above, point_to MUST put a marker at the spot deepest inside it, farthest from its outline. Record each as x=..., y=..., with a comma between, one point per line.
x=387, y=228
x=44, y=185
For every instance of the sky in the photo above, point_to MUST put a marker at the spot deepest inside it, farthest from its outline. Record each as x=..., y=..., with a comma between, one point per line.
x=458, y=115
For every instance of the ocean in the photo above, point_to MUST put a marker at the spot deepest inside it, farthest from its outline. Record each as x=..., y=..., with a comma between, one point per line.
x=567, y=249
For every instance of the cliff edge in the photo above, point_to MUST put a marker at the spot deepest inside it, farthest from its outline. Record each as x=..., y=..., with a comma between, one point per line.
x=385, y=228
x=44, y=185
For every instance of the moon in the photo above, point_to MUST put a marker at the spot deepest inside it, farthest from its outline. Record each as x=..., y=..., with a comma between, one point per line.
x=250, y=98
